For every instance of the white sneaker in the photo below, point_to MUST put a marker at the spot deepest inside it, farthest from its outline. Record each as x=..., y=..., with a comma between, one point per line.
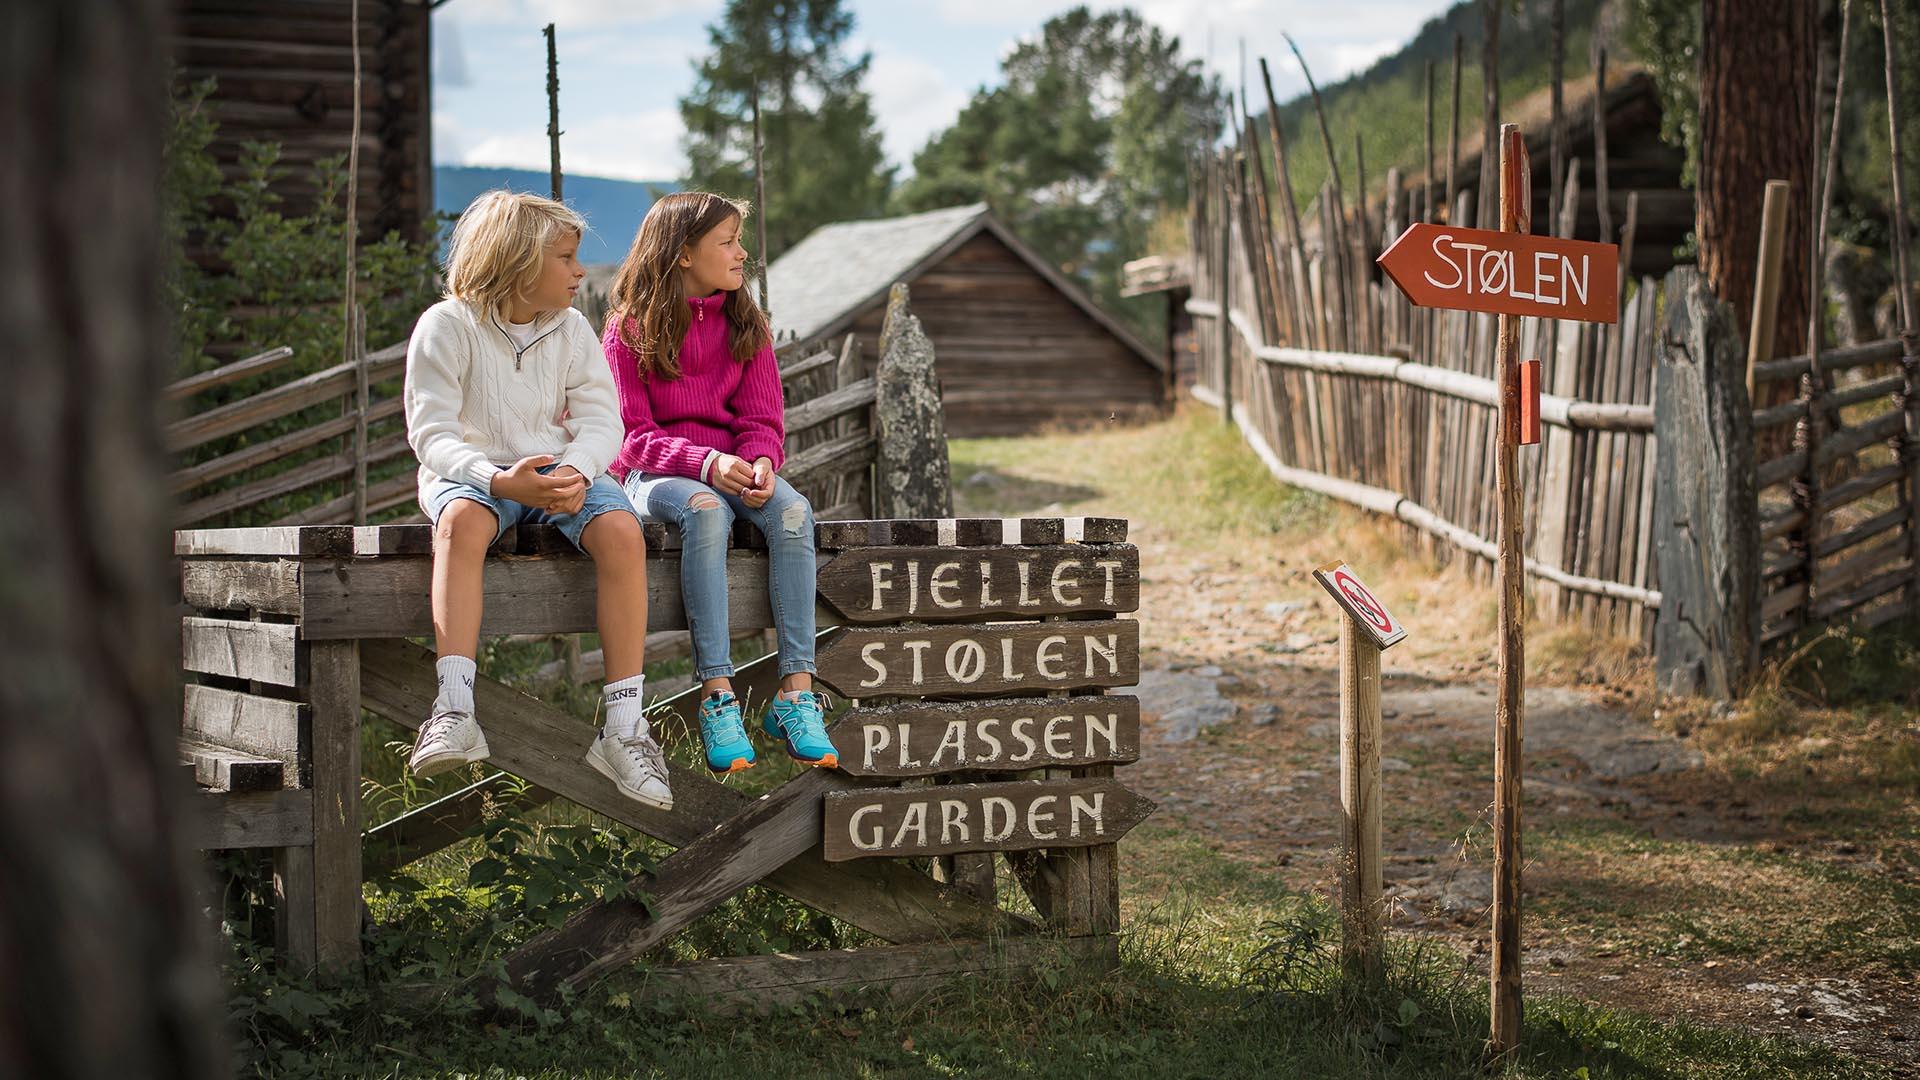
x=448, y=740
x=636, y=766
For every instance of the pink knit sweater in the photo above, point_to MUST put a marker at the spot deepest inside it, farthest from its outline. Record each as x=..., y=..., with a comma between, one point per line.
x=715, y=404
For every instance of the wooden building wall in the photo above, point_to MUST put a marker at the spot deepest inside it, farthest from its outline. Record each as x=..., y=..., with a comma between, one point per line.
x=284, y=70
x=1013, y=354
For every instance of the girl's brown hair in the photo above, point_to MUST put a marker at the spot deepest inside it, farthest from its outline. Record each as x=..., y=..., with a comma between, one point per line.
x=646, y=301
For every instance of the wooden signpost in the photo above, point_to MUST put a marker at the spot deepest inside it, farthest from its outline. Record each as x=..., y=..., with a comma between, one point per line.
x=1511, y=274
x=889, y=584
x=1367, y=629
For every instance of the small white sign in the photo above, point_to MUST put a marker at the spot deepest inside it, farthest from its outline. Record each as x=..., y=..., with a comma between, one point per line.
x=1359, y=602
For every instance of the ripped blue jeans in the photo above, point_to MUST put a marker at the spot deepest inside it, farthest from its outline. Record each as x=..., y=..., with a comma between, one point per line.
x=705, y=519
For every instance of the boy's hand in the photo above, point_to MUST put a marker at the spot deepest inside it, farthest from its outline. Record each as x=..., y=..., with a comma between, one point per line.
x=570, y=504
x=761, y=489
x=525, y=484
x=730, y=475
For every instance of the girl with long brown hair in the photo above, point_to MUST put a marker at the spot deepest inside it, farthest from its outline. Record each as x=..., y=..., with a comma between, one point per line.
x=700, y=395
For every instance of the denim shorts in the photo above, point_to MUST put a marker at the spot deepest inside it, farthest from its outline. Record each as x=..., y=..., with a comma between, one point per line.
x=603, y=494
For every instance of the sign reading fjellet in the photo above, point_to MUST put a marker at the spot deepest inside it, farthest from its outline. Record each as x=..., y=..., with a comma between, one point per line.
x=952, y=818
x=1506, y=273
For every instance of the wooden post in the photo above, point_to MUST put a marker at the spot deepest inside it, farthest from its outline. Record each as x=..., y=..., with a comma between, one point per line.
x=1426, y=181
x=1223, y=292
x=333, y=673
x=1600, y=179
x=1907, y=449
x=1766, y=285
x=1557, y=150
x=1509, y=705
x=1490, y=101
x=760, y=195
x=1453, y=136
x=1359, y=800
x=357, y=327
x=1366, y=628
x=553, y=115
x=912, y=471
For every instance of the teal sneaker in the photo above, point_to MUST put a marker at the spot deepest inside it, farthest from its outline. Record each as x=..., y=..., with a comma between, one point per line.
x=723, y=735
x=801, y=725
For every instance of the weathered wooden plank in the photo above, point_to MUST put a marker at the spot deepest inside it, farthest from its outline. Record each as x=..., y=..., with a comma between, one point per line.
x=293, y=907
x=273, y=449
x=270, y=727
x=270, y=585
x=334, y=695
x=217, y=768
x=305, y=540
x=968, y=532
x=880, y=585
x=280, y=401
x=257, y=364
x=390, y=597
x=829, y=406
x=260, y=651
x=764, y=836
x=922, y=739
x=221, y=821
x=831, y=458
x=1010, y=816
x=775, y=981
x=426, y=829
x=533, y=740
x=981, y=659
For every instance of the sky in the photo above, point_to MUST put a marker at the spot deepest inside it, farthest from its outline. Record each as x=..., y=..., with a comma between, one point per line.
x=625, y=63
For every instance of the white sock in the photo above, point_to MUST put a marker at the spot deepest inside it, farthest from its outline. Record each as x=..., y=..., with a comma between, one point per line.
x=623, y=707
x=455, y=675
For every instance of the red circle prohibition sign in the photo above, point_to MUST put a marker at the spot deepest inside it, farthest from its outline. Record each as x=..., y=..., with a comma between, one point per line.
x=1363, y=600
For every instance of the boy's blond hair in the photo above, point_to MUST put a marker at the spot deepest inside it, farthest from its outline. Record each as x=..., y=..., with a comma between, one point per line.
x=494, y=254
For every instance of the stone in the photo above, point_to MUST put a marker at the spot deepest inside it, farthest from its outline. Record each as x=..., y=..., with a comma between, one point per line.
x=1208, y=671
x=1283, y=609
x=1706, y=638
x=1266, y=714
x=1186, y=703
x=911, y=464
x=1394, y=764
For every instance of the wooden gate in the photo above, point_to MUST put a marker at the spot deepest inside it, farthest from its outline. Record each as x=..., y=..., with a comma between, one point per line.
x=975, y=650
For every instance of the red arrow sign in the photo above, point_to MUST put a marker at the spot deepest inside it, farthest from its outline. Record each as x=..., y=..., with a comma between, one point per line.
x=1506, y=273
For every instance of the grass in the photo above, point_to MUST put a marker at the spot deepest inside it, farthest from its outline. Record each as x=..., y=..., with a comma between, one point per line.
x=1224, y=974
x=1227, y=970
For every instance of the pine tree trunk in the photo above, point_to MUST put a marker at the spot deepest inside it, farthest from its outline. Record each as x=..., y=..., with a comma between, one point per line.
x=105, y=962
x=1757, y=64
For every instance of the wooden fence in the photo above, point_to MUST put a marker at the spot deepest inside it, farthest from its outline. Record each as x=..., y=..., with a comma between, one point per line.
x=292, y=631
x=1840, y=509
x=318, y=447
x=1345, y=388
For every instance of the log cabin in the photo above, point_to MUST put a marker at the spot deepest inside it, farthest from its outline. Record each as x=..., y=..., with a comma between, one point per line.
x=284, y=73
x=1018, y=344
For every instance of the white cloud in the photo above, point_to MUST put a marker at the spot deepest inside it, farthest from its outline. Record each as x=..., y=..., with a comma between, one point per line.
x=1019, y=14
x=579, y=13
x=642, y=145
x=912, y=100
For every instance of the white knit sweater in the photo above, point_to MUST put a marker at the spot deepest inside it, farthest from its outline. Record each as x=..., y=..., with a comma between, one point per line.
x=476, y=403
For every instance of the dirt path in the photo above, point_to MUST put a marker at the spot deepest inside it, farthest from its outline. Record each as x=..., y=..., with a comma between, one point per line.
x=1629, y=836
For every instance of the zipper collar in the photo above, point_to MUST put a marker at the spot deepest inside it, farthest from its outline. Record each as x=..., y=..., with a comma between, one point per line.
x=707, y=307
x=520, y=350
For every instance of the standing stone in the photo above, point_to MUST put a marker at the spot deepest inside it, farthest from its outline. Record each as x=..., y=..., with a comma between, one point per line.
x=1706, y=640
x=912, y=469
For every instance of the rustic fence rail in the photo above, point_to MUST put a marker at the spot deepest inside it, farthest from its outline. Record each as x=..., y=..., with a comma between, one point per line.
x=290, y=454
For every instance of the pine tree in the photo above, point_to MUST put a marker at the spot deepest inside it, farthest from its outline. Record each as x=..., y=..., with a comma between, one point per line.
x=1082, y=147
x=823, y=157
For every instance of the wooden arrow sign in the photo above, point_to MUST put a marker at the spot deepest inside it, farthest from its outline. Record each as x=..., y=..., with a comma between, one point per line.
x=951, y=818
x=889, y=584
x=1506, y=273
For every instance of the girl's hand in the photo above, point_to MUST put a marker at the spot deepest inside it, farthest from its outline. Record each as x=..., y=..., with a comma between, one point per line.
x=730, y=475
x=757, y=493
